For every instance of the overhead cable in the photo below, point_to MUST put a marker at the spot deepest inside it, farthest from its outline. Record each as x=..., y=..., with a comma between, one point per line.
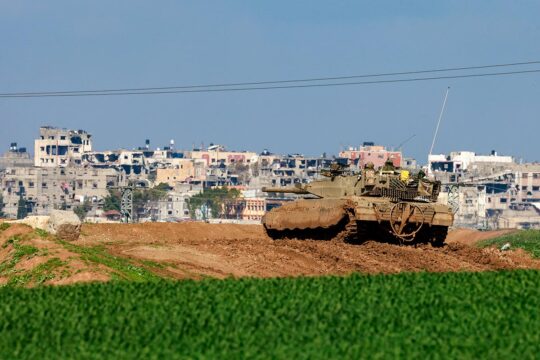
x=206, y=89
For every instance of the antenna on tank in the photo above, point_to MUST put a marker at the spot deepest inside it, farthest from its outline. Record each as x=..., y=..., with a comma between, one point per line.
x=438, y=125
x=400, y=146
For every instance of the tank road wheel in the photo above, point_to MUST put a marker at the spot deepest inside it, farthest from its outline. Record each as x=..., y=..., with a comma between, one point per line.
x=400, y=225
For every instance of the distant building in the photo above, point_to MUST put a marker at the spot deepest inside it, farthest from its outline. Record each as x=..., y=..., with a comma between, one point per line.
x=254, y=208
x=15, y=157
x=464, y=160
x=217, y=154
x=181, y=170
x=490, y=191
x=55, y=188
x=375, y=154
x=57, y=147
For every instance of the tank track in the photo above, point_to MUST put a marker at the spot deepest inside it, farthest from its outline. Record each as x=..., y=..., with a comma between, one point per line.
x=355, y=232
x=434, y=235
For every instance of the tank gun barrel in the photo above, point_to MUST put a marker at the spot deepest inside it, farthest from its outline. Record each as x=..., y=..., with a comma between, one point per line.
x=285, y=190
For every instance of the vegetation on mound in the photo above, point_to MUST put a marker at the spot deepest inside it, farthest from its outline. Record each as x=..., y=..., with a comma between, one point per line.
x=123, y=268
x=422, y=315
x=51, y=268
x=19, y=251
x=528, y=240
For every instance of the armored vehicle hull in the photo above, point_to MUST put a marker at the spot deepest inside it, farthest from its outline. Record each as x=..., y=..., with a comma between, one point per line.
x=356, y=208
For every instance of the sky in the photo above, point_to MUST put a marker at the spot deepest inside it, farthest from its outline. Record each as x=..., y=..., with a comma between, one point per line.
x=83, y=45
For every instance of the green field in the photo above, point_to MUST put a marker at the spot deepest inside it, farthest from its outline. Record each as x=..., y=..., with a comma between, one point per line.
x=426, y=315
x=528, y=240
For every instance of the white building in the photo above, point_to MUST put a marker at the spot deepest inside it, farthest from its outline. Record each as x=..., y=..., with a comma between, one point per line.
x=57, y=147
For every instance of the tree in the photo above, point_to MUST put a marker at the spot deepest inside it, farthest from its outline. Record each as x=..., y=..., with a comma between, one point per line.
x=2, y=206
x=162, y=187
x=214, y=199
x=82, y=210
x=22, y=210
x=112, y=201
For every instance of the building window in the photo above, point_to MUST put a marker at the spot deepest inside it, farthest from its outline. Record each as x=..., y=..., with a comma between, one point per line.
x=44, y=185
x=536, y=188
x=524, y=188
x=63, y=137
x=503, y=200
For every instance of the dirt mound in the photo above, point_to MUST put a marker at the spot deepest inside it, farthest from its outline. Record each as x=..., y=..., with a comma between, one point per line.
x=194, y=250
x=31, y=257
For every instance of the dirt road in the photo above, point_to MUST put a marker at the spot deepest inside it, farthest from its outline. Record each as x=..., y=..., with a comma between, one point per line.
x=195, y=250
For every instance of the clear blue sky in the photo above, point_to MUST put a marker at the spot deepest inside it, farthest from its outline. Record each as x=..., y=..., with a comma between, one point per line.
x=71, y=45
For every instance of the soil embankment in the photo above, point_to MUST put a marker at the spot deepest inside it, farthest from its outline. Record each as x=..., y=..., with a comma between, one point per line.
x=220, y=250
x=197, y=250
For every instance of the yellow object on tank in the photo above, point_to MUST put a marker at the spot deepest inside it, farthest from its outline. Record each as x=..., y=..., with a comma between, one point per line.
x=404, y=175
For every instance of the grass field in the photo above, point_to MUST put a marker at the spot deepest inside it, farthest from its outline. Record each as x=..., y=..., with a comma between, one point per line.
x=425, y=315
x=528, y=240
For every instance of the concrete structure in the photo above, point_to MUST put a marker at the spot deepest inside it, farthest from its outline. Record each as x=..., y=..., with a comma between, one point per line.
x=174, y=207
x=375, y=154
x=47, y=188
x=491, y=191
x=174, y=171
x=57, y=147
x=217, y=154
x=254, y=208
x=464, y=160
x=15, y=157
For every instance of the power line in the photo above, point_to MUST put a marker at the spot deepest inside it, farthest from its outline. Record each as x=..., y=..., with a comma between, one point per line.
x=278, y=81
x=295, y=86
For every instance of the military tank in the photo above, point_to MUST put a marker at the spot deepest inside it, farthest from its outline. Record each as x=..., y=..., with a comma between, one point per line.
x=386, y=205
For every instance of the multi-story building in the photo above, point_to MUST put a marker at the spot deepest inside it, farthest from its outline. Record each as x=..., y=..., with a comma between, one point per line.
x=46, y=188
x=489, y=191
x=217, y=154
x=254, y=208
x=15, y=157
x=371, y=153
x=174, y=171
x=465, y=160
x=57, y=147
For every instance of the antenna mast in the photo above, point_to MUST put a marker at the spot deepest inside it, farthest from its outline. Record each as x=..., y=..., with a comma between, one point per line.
x=405, y=141
x=439, y=122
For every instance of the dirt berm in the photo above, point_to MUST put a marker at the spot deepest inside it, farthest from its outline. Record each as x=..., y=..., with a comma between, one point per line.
x=195, y=250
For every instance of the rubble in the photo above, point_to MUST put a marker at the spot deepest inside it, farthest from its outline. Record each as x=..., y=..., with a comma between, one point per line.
x=64, y=224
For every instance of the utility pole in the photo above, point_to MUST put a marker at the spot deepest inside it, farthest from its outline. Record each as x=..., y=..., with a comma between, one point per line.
x=126, y=204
